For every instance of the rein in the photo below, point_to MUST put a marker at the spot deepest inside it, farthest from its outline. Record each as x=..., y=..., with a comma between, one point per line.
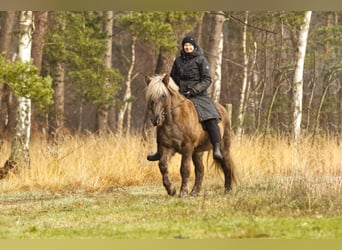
x=173, y=108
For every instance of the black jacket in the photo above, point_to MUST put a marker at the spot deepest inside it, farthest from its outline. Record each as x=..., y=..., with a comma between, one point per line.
x=190, y=71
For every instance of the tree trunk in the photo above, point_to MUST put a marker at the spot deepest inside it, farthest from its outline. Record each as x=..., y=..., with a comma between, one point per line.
x=40, y=25
x=264, y=85
x=218, y=74
x=102, y=112
x=217, y=20
x=198, y=30
x=243, y=94
x=56, y=117
x=128, y=92
x=298, y=76
x=6, y=31
x=19, y=157
x=312, y=92
x=164, y=62
x=6, y=94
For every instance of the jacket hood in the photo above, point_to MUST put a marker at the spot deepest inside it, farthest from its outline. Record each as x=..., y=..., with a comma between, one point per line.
x=187, y=56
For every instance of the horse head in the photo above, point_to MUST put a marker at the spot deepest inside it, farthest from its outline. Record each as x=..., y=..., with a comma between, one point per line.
x=158, y=98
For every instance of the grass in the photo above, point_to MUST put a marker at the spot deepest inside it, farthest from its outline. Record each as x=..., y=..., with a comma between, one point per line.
x=95, y=187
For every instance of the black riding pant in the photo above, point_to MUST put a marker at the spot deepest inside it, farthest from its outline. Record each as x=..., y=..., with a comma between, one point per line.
x=213, y=130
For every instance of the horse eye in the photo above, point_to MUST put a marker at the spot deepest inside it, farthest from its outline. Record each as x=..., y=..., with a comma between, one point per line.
x=150, y=105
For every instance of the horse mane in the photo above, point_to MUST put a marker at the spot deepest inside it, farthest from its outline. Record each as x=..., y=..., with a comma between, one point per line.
x=156, y=88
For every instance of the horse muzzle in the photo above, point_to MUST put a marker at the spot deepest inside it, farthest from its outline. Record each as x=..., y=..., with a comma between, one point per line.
x=157, y=120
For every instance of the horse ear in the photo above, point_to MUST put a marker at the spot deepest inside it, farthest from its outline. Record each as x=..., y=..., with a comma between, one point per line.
x=166, y=79
x=148, y=80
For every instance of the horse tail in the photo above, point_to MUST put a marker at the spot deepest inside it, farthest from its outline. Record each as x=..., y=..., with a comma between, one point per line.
x=234, y=174
x=223, y=166
x=228, y=163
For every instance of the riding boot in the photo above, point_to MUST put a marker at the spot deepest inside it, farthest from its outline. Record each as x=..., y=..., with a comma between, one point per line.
x=215, y=138
x=217, y=151
x=154, y=157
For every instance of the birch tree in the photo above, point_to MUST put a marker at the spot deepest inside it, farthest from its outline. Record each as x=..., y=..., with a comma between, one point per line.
x=27, y=85
x=298, y=75
x=243, y=93
x=218, y=74
x=127, y=104
x=21, y=137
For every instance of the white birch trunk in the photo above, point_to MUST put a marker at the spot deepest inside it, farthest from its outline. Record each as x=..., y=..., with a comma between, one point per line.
x=218, y=73
x=298, y=76
x=244, y=82
x=21, y=138
x=128, y=92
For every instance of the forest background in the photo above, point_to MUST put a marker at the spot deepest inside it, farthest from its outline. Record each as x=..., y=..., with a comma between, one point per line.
x=77, y=48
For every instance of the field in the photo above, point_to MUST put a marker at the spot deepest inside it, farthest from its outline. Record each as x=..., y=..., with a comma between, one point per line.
x=95, y=187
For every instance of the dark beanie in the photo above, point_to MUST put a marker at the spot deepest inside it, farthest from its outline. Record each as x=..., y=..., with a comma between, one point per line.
x=189, y=39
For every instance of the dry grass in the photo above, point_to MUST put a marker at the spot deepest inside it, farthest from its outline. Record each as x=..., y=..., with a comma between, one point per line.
x=94, y=163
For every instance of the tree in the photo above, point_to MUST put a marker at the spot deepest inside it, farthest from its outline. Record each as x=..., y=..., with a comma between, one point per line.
x=214, y=53
x=244, y=86
x=102, y=112
x=55, y=55
x=20, y=143
x=40, y=27
x=6, y=95
x=23, y=78
x=86, y=47
x=75, y=56
x=298, y=75
x=144, y=26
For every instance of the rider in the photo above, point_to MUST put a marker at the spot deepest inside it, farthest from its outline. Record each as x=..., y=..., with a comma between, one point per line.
x=191, y=73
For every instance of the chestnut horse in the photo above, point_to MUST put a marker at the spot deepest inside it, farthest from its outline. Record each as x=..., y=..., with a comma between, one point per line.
x=180, y=131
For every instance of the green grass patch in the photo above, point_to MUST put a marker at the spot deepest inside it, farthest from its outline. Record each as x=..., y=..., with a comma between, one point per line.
x=259, y=211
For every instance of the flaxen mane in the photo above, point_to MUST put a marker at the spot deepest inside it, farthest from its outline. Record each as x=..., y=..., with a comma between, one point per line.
x=156, y=90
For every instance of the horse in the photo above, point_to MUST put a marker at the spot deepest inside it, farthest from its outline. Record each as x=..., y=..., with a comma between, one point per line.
x=180, y=131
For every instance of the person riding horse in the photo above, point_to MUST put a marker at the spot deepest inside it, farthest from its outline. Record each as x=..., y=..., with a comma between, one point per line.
x=190, y=71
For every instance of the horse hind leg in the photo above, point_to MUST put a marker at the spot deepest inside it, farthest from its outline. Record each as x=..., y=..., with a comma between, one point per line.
x=197, y=159
x=226, y=168
x=227, y=165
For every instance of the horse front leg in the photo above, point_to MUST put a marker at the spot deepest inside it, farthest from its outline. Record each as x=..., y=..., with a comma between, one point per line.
x=197, y=159
x=163, y=167
x=185, y=173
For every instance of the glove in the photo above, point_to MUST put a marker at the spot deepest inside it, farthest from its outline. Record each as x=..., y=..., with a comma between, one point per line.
x=189, y=93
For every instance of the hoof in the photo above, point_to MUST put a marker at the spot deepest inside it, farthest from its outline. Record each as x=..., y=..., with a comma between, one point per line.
x=183, y=193
x=194, y=194
x=171, y=191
